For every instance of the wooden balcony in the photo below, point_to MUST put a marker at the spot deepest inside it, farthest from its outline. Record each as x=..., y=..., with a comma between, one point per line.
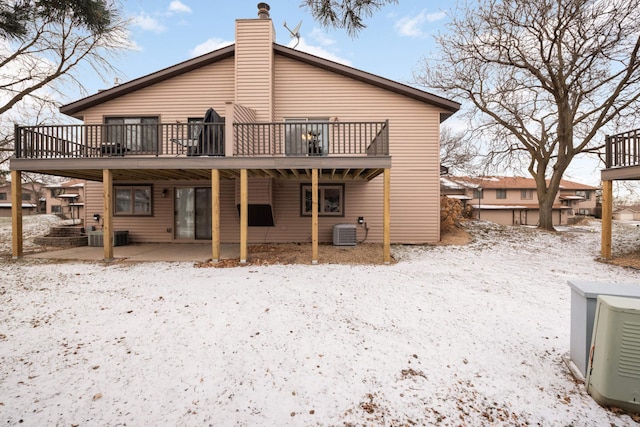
x=189, y=151
x=622, y=159
x=289, y=139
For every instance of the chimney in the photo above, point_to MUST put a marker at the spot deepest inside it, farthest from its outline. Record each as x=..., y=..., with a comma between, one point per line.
x=263, y=11
x=254, y=63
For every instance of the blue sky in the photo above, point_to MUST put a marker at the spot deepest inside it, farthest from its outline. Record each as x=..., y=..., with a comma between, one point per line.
x=166, y=32
x=396, y=39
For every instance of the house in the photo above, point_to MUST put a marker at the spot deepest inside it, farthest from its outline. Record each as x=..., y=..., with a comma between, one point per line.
x=65, y=199
x=252, y=143
x=627, y=213
x=621, y=163
x=514, y=200
x=29, y=199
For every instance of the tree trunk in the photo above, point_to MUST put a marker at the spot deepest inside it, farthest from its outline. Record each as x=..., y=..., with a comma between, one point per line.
x=546, y=213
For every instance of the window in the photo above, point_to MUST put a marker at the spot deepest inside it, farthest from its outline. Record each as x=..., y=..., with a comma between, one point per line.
x=330, y=200
x=26, y=197
x=55, y=192
x=195, y=127
x=501, y=193
x=585, y=194
x=133, y=133
x=526, y=194
x=477, y=194
x=56, y=209
x=306, y=137
x=132, y=200
x=3, y=196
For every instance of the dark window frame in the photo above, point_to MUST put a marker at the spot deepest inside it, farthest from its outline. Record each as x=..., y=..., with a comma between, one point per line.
x=526, y=194
x=304, y=212
x=501, y=193
x=145, y=139
x=132, y=199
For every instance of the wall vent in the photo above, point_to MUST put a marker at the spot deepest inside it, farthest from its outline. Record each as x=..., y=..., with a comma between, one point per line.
x=344, y=235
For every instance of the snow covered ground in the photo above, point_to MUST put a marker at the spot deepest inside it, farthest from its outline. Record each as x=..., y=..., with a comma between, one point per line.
x=458, y=335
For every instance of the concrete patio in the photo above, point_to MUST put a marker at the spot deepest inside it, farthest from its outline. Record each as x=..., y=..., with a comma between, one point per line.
x=177, y=252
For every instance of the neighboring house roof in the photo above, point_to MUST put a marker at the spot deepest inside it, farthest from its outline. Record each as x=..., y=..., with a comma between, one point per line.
x=229, y=51
x=513, y=182
x=514, y=206
x=67, y=184
x=627, y=209
x=459, y=196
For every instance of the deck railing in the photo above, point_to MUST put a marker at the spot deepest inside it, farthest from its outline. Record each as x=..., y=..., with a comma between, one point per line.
x=202, y=139
x=312, y=139
x=623, y=149
x=85, y=141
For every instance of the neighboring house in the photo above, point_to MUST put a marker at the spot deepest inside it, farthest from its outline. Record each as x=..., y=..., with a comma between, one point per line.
x=31, y=199
x=66, y=199
x=514, y=201
x=625, y=214
x=255, y=142
x=622, y=162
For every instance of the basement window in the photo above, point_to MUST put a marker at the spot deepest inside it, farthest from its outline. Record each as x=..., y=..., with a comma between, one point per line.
x=330, y=199
x=132, y=200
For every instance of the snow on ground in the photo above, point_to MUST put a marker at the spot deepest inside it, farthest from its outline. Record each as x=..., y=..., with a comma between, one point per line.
x=458, y=335
x=32, y=226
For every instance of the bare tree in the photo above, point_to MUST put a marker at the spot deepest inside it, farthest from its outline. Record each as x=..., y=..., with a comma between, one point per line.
x=38, y=111
x=53, y=48
x=456, y=153
x=44, y=50
x=544, y=78
x=346, y=14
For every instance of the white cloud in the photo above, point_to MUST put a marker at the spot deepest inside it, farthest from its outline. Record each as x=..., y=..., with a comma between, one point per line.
x=148, y=23
x=318, y=51
x=208, y=46
x=179, y=7
x=410, y=25
x=321, y=37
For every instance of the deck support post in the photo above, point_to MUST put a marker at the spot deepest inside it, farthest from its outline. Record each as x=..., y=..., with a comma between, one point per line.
x=607, y=217
x=386, y=221
x=244, y=215
x=107, y=215
x=314, y=216
x=16, y=214
x=215, y=215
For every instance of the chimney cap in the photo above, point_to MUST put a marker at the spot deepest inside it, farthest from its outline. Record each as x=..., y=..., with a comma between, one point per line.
x=263, y=10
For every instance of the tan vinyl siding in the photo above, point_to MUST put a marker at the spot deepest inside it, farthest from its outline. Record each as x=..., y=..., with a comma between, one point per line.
x=176, y=99
x=413, y=135
x=361, y=199
x=142, y=229
x=254, y=66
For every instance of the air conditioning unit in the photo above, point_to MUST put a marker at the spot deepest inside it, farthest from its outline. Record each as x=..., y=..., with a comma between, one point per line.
x=96, y=238
x=344, y=235
x=613, y=376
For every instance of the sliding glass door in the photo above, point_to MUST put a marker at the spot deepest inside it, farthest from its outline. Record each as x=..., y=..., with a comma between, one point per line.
x=192, y=213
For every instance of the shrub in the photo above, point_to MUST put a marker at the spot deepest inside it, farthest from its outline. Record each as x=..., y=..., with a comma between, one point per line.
x=450, y=213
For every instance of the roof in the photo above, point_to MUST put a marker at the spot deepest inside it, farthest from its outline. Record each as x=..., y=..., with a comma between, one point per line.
x=507, y=207
x=513, y=182
x=459, y=196
x=74, y=108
